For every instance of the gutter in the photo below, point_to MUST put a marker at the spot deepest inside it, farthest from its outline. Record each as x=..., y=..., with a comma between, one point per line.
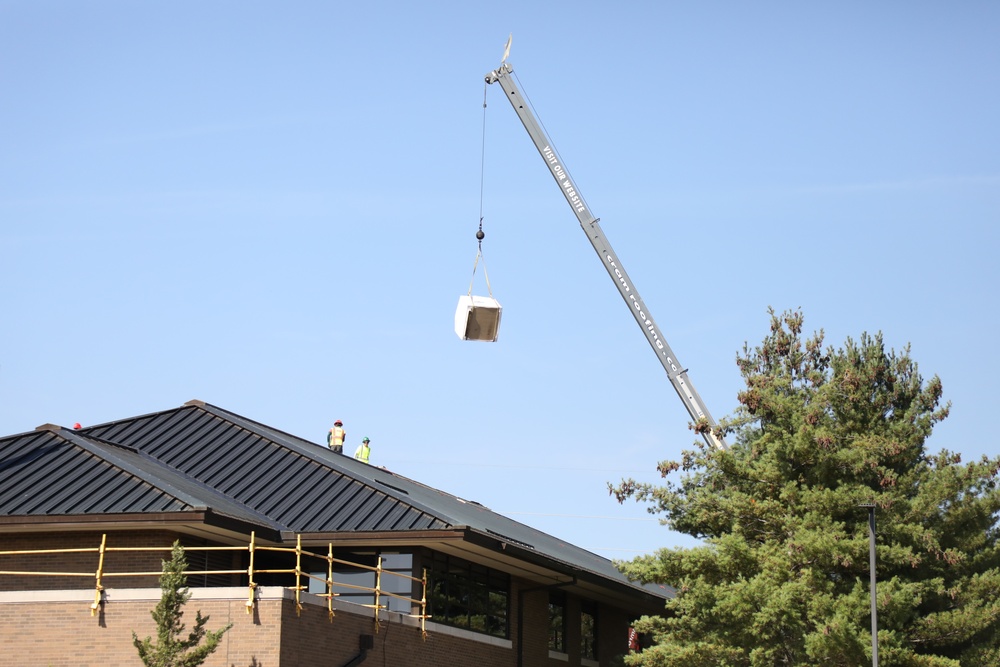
x=365, y=643
x=531, y=555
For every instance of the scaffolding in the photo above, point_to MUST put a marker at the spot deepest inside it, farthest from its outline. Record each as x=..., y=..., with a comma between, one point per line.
x=302, y=576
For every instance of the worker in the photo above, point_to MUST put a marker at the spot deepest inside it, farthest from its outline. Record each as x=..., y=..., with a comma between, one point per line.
x=335, y=438
x=363, y=451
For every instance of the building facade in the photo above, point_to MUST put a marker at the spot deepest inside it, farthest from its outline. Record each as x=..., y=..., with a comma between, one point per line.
x=313, y=557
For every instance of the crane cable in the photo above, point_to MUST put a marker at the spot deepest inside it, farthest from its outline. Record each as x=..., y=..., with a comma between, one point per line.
x=480, y=235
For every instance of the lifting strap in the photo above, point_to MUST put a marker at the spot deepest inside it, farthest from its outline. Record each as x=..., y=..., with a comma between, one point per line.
x=479, y=255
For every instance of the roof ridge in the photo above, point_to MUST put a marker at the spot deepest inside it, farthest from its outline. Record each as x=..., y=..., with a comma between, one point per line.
x=87, y=443
x=310, y=451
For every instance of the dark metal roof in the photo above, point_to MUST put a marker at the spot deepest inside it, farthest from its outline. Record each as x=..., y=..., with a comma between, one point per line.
x=60, y=472
x=200, y=456
x=291, y=481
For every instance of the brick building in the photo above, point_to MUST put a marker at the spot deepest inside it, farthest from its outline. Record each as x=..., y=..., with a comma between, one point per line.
x=315, y=558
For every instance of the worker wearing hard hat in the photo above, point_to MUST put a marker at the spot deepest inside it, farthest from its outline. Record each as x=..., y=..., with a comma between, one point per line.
x=335, y=438
x=363, y=451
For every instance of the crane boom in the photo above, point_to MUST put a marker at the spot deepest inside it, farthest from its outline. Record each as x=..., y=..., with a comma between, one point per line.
x=592, y=228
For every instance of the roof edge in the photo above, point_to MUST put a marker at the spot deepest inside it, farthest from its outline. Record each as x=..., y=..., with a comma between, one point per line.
x=167, y=520
x=531, y=555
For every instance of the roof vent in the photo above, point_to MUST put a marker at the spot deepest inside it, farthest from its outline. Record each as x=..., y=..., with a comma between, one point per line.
x=510, y=539
x=395, y=488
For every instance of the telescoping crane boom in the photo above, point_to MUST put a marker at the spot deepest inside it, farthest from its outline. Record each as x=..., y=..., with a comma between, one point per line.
x=591, y=227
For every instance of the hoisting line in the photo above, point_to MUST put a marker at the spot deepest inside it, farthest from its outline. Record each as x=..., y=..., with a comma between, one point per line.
x=480, y=235
x=482, y=171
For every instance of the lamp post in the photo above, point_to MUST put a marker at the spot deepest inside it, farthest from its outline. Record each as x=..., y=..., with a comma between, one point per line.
x=871, y=567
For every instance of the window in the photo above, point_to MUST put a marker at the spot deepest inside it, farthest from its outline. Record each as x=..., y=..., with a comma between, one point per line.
x=588, y=630
x=557, y=621
x=466, y=595
x=402, y=586
x=356, y=584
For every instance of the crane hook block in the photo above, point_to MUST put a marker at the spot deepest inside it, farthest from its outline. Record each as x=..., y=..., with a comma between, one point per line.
x=477, y=318
x=480, y=235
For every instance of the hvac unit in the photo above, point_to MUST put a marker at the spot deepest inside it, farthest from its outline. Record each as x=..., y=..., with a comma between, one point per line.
x=477, y=318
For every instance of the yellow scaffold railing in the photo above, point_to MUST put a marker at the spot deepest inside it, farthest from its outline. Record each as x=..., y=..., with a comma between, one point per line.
x=301, y=574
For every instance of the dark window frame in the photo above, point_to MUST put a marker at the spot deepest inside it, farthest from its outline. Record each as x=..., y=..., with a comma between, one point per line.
x=557, y=621
x=393, y=560
x=466, y=595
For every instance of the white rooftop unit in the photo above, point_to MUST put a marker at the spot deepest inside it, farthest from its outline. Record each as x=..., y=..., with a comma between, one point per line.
x=477, y=318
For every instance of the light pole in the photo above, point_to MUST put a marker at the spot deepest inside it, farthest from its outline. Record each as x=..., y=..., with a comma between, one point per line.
x=871, y=569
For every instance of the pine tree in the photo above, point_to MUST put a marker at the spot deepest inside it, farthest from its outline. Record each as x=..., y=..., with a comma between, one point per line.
x=170, y=650
x=783, y=576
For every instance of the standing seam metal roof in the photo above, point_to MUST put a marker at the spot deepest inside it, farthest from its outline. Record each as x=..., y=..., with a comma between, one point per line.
x=57, y=472
x=199, y=455
x=283, y=477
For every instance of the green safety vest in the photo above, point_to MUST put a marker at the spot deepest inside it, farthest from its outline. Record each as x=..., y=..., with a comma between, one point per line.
x=363, y=452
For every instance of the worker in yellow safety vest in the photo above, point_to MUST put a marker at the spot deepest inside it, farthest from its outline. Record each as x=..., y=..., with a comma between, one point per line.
x=363, y=451
x=335, y=438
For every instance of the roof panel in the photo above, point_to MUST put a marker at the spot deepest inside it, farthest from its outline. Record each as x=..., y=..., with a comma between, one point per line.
x=95, y=477
x=321, y=501
x=65, y=479
x=199, y=455
x=374, y=515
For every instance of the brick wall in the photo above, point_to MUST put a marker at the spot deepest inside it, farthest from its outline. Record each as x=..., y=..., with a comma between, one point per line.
x=612, y=633
x=312, y=640
x=56, y=629
x=46, y=621
x=64, y=634
x=84, y=562
x=535, y=629
x=41, y=631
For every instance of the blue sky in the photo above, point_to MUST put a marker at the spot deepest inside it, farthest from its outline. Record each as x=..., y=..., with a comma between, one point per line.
x=271, y=207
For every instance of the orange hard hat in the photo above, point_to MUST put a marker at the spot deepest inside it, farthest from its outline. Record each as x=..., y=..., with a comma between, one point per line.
x=338, y=423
